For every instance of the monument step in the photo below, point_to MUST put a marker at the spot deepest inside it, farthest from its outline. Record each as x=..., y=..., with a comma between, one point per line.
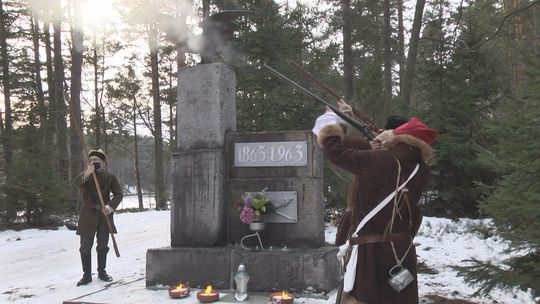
x=294, y=270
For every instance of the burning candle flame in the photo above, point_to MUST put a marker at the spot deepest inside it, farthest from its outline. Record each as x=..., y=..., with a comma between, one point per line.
x=208, y=290
x=285, y=295
x=179, y=291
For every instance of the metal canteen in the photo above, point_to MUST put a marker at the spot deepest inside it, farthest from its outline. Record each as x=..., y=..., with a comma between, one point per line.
x=400, y=277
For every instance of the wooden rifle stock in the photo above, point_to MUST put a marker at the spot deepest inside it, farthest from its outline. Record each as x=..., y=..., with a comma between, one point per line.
x=96, y=182
x=334, y=94
x=358, y=125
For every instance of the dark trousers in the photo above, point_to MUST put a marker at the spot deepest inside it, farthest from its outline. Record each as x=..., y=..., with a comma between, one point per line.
x=102, y=239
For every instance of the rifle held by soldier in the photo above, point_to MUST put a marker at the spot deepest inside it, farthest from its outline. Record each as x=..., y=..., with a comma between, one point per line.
x=353, y=122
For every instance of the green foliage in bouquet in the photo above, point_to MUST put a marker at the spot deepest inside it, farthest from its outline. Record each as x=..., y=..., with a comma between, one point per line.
x=260, y=204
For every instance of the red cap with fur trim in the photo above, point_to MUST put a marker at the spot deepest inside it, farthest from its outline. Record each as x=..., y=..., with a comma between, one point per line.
x=415, y=127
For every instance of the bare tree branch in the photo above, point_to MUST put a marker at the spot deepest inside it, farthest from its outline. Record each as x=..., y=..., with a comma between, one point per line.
x=518, y=10
x=146, y=120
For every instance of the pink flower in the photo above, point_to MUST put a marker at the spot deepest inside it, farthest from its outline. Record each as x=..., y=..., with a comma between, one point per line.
x=247, y=215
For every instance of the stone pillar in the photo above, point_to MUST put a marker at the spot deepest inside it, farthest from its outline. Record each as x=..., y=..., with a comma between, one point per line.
x=206, y=111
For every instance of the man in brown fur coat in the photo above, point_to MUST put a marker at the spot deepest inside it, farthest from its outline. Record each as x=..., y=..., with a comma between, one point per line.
x=355, y=139
x=387, y=239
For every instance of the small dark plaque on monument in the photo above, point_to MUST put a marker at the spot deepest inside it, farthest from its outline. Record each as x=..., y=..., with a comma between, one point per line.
x=284, y=206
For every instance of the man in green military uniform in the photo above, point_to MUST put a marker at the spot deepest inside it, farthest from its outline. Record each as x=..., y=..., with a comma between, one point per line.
x=92, y=220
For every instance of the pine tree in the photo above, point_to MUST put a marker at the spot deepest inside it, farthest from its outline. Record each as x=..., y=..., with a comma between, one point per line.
x=125, y=88
x=513, y=201
x=36, y=191
x=31, y=190
x=150, y=15
x=511, y=151
x=460, y=88
x=264, y=102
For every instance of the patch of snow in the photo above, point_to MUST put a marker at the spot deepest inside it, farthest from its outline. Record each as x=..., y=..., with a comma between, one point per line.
x=42, y=266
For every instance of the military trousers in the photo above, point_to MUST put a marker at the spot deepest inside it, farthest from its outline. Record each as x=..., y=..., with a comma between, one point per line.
x=102, y=234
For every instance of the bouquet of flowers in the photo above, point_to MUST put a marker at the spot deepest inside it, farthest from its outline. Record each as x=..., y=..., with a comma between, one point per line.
x=252, y=209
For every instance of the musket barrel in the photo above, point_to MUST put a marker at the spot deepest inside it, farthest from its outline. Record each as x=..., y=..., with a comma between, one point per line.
x=358, y=125
x=334, y=94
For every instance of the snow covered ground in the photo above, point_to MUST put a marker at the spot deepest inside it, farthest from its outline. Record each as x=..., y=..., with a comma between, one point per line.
x=130, y=202
x=42, y=266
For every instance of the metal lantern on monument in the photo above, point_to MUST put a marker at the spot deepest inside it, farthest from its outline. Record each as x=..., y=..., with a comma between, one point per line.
x=241, y=278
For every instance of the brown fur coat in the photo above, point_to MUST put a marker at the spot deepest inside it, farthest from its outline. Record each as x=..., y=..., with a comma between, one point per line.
x=375, y=176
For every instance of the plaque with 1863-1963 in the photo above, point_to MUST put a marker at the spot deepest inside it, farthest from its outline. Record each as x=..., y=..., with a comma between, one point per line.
x=270, y=154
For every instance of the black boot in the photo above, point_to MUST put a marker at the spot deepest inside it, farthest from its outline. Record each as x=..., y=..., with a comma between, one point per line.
x=102, y=263
x=86, y=261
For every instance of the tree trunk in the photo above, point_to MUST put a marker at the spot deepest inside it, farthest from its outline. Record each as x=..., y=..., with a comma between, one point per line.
x=49, y=127
x=136, y=149
x=7, y=125
x=97, y=107
x=534, y=25
x=387, y=37
x=171, y=126
x=7, y=136
x=171, y=108
x=60, y=152
x=180, y=63
x=413, y=50
x=42, y=110
x=101, y=93
x=347, y=50
x=401, y=45
x=205, y=8
x=158, y=137
x=103, y=125
x=76, y=149
x=516, y=31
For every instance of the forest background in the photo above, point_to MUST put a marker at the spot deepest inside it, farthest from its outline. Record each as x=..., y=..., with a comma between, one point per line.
x=468, y=68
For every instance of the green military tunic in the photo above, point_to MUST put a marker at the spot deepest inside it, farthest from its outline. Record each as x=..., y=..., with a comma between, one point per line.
x=89, y=216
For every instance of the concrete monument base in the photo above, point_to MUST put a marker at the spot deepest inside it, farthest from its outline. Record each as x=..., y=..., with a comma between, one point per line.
x=294, y=270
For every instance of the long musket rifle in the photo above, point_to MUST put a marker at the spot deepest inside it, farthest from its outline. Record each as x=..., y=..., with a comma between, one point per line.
x=358, y=125
x=334, y=94
x=96, y=182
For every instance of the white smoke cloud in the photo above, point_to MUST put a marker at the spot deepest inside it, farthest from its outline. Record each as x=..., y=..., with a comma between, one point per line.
x=46, y=10
x=175, y=18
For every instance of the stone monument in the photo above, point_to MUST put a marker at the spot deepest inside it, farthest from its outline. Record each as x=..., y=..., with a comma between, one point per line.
x=212, y=170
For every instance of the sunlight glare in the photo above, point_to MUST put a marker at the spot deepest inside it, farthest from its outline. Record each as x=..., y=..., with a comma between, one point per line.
x=94, y=11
